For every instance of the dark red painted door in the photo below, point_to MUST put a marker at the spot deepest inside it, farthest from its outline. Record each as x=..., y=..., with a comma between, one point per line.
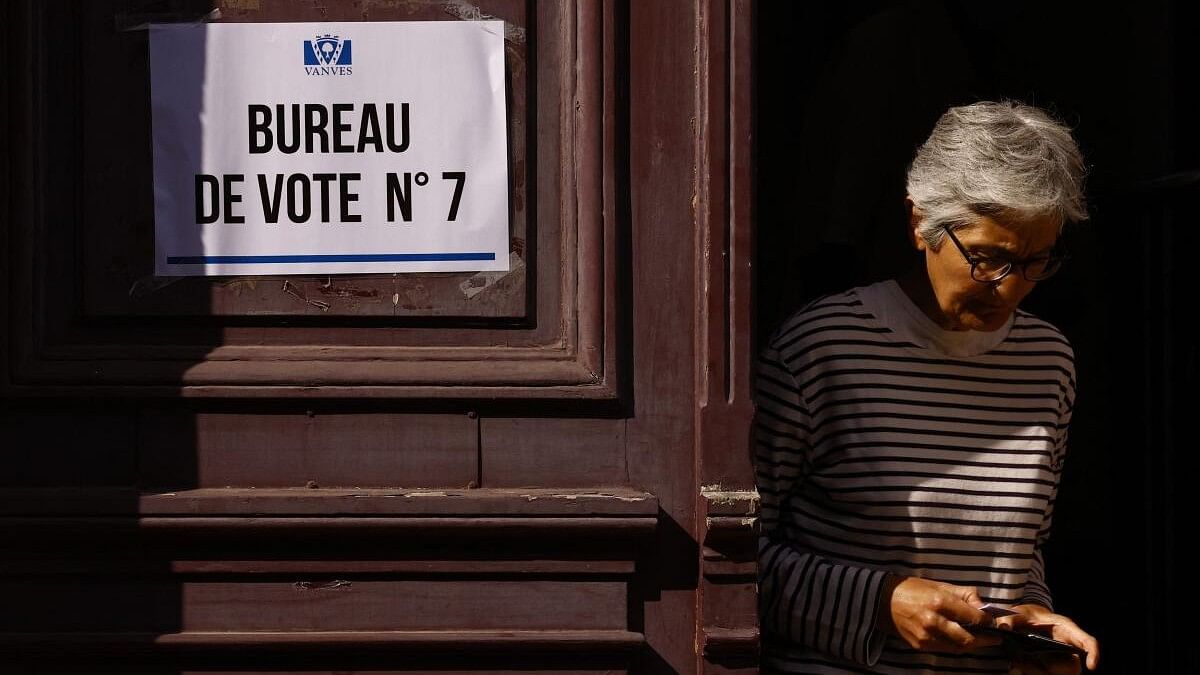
x=400, y=472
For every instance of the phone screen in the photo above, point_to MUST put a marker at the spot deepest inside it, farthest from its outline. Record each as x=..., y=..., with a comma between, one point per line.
x=1029, y=642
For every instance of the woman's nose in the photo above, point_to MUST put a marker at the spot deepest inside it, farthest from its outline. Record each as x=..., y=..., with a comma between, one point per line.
x=1014, y=286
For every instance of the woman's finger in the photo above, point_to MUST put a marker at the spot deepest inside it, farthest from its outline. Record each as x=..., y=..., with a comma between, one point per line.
x=954, y=634
x=1066, y=630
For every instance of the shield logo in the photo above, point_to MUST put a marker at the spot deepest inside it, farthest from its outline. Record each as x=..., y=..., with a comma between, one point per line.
x=327, y=49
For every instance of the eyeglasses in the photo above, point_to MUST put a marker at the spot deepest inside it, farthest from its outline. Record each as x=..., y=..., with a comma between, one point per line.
x=991, y=270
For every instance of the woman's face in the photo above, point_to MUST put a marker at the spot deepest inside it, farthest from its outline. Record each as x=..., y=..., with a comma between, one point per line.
x=966, y=304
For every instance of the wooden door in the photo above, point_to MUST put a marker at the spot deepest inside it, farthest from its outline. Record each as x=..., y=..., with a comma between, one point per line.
x=543, y=470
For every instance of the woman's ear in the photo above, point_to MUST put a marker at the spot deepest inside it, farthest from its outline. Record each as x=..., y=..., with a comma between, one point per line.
x=914, y=222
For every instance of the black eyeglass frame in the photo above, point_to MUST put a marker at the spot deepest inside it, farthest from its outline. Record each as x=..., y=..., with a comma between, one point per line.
x=1054, y=262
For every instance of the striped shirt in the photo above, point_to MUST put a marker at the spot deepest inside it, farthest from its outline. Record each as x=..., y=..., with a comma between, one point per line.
x=891, y=445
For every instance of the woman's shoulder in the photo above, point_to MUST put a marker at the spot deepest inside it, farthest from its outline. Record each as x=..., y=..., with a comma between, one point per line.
x=833, y=312
x=1030, y=325
x=1033, y=333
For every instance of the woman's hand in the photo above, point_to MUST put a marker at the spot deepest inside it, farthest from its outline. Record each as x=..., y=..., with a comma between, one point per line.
x=1041, y=620
x=929, y=615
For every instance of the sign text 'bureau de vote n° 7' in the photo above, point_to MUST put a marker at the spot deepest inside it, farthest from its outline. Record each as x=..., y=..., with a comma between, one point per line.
x=299, y=148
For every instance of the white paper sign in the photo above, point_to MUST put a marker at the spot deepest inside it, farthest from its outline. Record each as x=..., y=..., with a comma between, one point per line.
x=298, y=148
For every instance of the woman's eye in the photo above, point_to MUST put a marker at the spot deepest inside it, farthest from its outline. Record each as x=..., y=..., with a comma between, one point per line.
x=990, y=263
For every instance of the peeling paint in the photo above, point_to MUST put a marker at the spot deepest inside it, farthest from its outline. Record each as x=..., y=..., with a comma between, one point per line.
x=480, y=282
x=577, y=495
x=732, y=496
x=409, y=6
x=322, y=585
x=416, y=295
x=239, y=285
x=399, y=492
x=292, y=290
x=602, y=495
x=466, y=11
x=719, y=495
x=347, y=290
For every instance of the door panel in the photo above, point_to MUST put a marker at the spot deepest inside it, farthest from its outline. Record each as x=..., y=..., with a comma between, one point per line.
x=388, y=473
x=302, y=449
x=95, y=318
x=518, y=452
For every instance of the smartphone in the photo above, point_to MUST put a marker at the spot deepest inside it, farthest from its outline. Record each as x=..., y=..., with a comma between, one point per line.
x=1026, y=641
x=1029, y=642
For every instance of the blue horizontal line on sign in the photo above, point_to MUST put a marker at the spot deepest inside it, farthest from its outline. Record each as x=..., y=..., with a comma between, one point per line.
x=335, y=258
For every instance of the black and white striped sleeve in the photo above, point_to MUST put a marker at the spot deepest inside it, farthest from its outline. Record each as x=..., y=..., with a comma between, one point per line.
x=1036, y=589
x=804, y=598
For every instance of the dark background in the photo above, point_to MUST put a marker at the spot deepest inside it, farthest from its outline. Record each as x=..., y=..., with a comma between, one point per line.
x=845, y=93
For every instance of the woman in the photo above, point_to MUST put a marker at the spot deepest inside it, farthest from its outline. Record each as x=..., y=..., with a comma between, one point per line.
x=910, y=434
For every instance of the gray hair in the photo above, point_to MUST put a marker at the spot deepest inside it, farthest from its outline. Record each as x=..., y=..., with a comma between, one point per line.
x=990, y=159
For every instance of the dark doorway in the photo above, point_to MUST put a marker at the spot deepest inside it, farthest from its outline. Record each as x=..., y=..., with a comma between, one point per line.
x=845, y=93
